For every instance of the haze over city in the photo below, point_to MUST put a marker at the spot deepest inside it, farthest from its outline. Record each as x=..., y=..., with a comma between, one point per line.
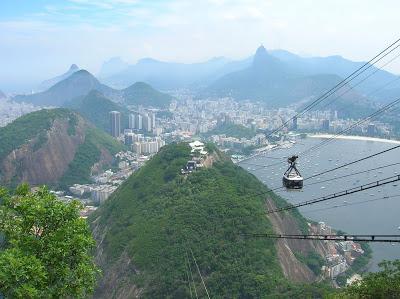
x=199, y=149
x=42, y=38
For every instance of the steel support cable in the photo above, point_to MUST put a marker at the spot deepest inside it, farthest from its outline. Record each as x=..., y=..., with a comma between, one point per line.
x=343, y=176
x=353, y=203
x=324, y=142
x=354, y=162
x=361, y=121
x=355, y=238
x=187, y=276
x=363, y=80
x=348, y=79
x=338, y=194
x=339, y=167
x=191, y=274
x=198, y=270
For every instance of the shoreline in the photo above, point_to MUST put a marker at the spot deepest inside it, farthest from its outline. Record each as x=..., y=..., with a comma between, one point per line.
x=354, y=137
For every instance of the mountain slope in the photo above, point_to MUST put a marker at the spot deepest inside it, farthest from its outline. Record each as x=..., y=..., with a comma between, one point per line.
x=167, y=75
x=141, y=93
x=339, y=66
x=275, y=83
x=50, y=82
x=95, y=107
x=78, y=84
x=147, y=229
x=2, y=95
x=55, y=147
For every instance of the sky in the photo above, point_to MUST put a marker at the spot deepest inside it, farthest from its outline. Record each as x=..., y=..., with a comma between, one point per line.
x=41, y=38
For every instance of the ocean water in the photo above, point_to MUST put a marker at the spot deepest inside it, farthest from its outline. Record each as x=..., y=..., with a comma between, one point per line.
x=366, y=212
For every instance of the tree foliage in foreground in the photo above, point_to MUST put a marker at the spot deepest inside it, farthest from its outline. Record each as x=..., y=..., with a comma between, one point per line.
x=45, y=247
x=382, y=284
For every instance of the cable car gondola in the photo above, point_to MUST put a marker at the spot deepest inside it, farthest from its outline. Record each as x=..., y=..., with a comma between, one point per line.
x=292, y=178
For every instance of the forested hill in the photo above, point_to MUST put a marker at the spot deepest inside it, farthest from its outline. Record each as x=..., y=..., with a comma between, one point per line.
x=56, y=147
x=95, y=107
x=147, y=229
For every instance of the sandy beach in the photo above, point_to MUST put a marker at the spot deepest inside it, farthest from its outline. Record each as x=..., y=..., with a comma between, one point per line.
x=361, y=138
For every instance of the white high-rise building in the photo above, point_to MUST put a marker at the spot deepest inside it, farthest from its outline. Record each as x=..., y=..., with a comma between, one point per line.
x=115, y=123
x=132, y=121
x=139, y=122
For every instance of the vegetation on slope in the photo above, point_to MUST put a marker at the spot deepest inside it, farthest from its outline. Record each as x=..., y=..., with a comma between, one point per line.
x=141, y=93
x=29, y=126
x=88, y=153
x=157, y=217
x=45, y=247
x=95, y=107
x=382, y=284
x=232, y=130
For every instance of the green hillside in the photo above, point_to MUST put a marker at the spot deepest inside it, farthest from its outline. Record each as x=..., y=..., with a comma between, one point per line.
x=28, y=126
x=87, y=154
x=56, y=147
x=147, y=228
x=232, y=130
x=141, y=93
x=95, y=107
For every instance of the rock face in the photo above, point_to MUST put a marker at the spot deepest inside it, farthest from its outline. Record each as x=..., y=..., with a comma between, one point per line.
x=292, y=268
x=47, y=164
x=43, y=147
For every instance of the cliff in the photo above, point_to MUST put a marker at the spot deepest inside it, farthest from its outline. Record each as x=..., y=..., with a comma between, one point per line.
x=42, y=148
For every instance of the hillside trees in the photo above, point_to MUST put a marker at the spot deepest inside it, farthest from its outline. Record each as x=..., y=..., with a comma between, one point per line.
x=45, y=247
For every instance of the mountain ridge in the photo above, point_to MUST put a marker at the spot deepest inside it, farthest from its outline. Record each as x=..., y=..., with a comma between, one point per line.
x=142, y=231
x=42, y=147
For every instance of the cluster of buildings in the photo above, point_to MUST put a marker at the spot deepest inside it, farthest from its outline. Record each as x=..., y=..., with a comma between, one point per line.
x=10, y=110
x=328, y=122
x=104, y=184
x=144, y=121
x=141, y=144
x=339, y=255
x=199, y=156
x=234, y=143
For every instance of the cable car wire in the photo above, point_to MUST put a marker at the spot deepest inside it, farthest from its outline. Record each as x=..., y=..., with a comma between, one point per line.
x=354, y=162
x=191, y=274
x=338, y=194
x=339, y=167
x=361, y=121
x=361, y=81
x=198, y=270
x=354, y=203
x=339, y=85
x=187, y=275
x=355, y=238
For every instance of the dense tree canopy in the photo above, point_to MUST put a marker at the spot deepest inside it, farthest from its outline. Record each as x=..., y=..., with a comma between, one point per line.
x=382, y=284
x=45, y=247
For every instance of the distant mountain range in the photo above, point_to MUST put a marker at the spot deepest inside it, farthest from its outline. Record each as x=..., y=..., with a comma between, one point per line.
x=272, y=81
x=56, y=147
x=81, y=82
x=201, y=76
x=50, y=82
x=168, y=75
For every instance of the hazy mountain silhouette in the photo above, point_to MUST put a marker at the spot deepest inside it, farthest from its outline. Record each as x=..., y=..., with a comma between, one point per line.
x=78, y=84
x=50, y=82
